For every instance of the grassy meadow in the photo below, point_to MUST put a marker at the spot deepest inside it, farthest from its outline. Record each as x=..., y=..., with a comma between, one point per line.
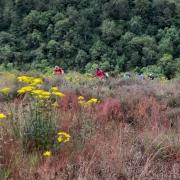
x=76, y=127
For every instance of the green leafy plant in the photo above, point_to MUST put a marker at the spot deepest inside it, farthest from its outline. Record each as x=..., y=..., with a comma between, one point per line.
x=40, y=129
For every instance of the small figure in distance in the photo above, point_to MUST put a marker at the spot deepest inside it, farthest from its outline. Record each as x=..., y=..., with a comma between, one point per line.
x=58, y=71
x=141, y=76
x=127, y=75
x=151, y=76
x=100, y=74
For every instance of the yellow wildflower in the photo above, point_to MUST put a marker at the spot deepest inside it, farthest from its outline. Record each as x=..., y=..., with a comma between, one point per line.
x=80, y=98
x=63, y=137
x=30, y=80
x=25, y=89
x=2, y=116
x=36, y=81
x=43, y=97
x=47, y=153
x=54, y=89
x=45, y=93
x=60, y=94
x=42, y=94
x=36, y=92
x=60, y=139
x=25, y=79
x=5, y=91
x=92, y=101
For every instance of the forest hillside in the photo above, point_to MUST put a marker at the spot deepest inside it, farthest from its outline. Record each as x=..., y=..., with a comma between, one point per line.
x=116, y=35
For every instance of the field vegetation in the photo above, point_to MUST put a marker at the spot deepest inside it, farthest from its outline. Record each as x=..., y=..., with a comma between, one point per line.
x=78, y=127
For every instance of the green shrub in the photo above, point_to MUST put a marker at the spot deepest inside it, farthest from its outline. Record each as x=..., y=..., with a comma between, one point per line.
x=91, y=67
x=40, y=129
x=156, y=70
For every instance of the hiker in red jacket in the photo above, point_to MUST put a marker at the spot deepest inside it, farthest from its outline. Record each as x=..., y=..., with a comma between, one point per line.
x=58, y=71
x=100, y=73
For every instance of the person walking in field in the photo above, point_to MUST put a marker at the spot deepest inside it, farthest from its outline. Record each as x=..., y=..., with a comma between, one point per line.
x=100, y=73
x=58, y=71
x=151, y=76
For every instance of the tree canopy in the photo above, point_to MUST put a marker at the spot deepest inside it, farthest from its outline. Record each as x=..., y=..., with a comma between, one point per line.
x=117, y=35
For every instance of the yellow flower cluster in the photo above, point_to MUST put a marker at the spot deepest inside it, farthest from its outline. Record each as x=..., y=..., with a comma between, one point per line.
x=2, y=116
x=54, y=89
x=5, y=91
x=25, y=79
x=60, y=94
x=33, y=82
x=25, y=89
x=63, y=137
x=92, y=101
x=30, y=80
x=80, y=98
x=42, y=94
x=47, y=153
x=36, y=81
x=33, y=90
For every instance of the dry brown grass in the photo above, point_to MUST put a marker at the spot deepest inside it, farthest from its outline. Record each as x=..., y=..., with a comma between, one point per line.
x=132, y=134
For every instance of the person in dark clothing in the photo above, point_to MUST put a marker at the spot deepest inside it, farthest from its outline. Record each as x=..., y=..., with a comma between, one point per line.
x=151, y=76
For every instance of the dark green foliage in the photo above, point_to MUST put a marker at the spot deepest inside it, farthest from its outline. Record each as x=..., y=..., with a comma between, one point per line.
x=117, y=35
x=168, y=65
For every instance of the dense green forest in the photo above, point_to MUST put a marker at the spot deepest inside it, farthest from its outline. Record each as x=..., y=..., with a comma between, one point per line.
x=116, y=35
